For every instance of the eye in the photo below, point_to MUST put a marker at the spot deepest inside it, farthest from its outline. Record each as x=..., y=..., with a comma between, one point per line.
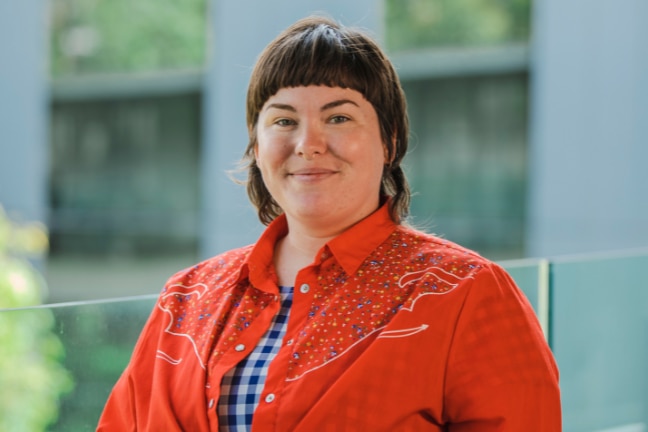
x=339, y=119
x=285, y=122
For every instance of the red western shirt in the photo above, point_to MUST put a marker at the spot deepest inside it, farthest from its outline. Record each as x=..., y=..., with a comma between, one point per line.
x=391, y=329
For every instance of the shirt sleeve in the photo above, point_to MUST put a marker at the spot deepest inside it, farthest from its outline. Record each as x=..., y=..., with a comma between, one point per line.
x=130, y=398
x=501, y=374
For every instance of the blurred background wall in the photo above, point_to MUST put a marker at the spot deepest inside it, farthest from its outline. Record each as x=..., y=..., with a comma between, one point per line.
x=119, y=121
x=24, y=91
x=588, y=186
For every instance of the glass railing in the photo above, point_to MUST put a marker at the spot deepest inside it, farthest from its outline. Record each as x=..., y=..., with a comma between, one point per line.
x=96, y=338
x=599, y=328
x=531, y=277
x=594, y=311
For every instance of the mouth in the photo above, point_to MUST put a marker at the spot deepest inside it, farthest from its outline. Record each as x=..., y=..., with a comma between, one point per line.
x=312, y=174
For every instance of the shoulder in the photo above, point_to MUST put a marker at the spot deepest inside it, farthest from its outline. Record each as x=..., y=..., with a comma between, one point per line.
x=446, y=266
x=212, y=271
x=422, y=250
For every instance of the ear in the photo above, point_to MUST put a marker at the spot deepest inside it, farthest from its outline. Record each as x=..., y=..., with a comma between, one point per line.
x=388, y=159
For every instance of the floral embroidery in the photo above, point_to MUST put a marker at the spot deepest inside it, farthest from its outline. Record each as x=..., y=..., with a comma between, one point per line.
x=211, y=308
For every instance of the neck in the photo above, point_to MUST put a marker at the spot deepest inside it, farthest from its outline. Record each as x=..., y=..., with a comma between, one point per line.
x=296, y=251
x=307, y=241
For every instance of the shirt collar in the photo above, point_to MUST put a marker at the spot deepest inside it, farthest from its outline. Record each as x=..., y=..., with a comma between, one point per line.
x=260, y=262
x=350, y=248
x=353, y=246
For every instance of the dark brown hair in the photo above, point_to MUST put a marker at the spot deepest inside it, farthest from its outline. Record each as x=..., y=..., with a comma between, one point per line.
x=319, y=51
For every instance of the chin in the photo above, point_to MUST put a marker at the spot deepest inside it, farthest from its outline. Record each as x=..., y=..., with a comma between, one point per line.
x=313, y=211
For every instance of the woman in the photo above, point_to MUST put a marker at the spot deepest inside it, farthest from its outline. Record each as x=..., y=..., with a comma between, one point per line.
x=386, y=329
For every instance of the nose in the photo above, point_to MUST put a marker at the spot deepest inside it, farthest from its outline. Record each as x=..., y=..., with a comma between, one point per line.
x=311, y=142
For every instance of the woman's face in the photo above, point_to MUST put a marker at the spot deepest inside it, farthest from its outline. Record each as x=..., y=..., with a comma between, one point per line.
x=321, y=155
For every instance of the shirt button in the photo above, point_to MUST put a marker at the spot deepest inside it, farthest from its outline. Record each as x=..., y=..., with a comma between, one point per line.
x=289, y=342
x=304, y=288
x=211, y=403
x=239, y=347
x=270, y=397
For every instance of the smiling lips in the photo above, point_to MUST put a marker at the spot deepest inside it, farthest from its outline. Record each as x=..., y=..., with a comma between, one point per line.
x=312, y=174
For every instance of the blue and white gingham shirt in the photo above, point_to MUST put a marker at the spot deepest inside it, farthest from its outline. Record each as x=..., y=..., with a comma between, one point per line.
x=242, y=386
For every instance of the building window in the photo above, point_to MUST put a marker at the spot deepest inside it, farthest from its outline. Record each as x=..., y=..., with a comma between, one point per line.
x=464, y=70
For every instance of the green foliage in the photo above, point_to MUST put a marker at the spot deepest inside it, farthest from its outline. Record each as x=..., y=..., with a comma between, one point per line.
x=425, y=23
x=31, y=376
x=99, y=36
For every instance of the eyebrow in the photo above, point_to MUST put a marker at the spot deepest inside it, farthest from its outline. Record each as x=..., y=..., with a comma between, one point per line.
x=333, y=104
x=285, y=107
x=337, y=103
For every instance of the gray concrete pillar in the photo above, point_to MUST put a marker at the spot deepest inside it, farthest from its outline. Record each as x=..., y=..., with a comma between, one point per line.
x=24, y=109
x=588, y=188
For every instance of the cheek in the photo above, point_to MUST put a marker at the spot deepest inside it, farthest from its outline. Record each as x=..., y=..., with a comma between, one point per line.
x=272, y=146
x=269, y=156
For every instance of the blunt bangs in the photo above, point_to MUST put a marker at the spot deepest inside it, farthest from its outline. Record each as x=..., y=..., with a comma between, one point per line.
x=320, y=55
